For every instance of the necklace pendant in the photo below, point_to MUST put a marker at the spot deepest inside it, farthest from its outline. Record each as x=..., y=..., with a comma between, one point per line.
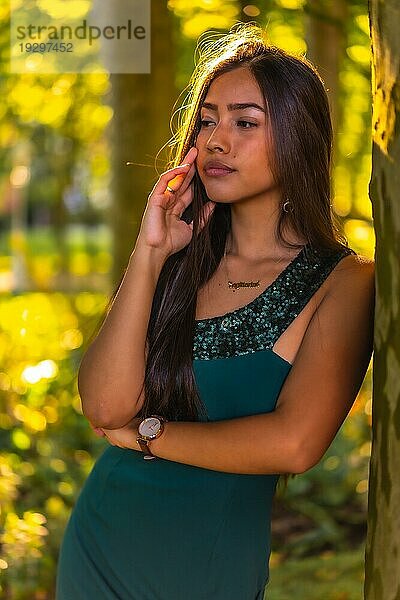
x=234, y=285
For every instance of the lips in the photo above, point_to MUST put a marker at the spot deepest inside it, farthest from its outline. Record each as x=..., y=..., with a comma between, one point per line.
x=217, y=168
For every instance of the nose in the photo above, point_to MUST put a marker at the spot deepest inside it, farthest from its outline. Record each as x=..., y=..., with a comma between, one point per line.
x=218, y=140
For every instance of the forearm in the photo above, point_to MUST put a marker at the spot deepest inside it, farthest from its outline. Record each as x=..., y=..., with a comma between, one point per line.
x=256, y=444
x=111, y=373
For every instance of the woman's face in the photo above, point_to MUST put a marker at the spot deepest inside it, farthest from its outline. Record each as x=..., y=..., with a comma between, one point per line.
x=236, y=137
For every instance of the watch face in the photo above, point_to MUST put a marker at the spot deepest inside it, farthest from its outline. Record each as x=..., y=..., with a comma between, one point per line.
x=149, y=426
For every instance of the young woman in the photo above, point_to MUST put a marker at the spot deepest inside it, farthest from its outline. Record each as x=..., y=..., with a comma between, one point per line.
x=233, y=348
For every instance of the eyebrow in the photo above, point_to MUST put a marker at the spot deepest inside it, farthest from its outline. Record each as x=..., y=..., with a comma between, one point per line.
x=235, y=106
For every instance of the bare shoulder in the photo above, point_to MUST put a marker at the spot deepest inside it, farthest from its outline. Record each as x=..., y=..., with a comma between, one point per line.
x=349, y=298
x=353, y=272
x=355, y=263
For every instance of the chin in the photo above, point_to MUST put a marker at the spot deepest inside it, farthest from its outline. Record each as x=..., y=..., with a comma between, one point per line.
x=219, y=195
x=220, y=198
x=227, y=196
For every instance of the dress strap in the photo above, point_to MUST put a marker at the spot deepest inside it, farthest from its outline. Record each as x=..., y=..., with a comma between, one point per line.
x=259, y=324
x=301, y=284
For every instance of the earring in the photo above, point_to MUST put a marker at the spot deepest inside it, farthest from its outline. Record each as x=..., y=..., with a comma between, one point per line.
x=285, y=206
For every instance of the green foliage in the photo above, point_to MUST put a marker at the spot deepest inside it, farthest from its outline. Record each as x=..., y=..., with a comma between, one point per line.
x=49, y=124
x=48, y=447
x=87, y=251
x=331, y=577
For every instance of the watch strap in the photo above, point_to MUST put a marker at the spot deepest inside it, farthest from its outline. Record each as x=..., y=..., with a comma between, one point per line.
x=144, y=446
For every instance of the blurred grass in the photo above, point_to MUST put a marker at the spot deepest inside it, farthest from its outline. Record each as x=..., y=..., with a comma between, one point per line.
x=328, y=577
x=37, y=253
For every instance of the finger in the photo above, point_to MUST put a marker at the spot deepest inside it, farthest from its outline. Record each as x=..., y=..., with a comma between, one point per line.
x=175, y=184
x=168, y=176
x=188, y=159
x=183, y=196
x=181, y=182
x=190, y=154
x=187, y=180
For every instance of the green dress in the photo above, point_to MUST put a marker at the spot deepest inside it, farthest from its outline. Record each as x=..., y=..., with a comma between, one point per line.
x=163, y=530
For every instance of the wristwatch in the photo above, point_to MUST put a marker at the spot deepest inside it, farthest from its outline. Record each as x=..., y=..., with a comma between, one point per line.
x=150, y=429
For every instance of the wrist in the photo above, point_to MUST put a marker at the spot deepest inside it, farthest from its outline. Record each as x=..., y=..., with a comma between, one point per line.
x=146, y=260
x=150, y=429
x=156, y=444
x=149, y=253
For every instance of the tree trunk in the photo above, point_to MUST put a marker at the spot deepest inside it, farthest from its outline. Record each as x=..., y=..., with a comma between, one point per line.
x=382, y=569
x=142, y=106
x=63, y=164
x=325, y=33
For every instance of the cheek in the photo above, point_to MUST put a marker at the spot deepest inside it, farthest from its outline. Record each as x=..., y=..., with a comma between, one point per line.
x=200, y=140
x=199, y=144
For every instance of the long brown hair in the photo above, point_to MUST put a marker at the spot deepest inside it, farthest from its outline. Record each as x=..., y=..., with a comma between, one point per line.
x=298, y=111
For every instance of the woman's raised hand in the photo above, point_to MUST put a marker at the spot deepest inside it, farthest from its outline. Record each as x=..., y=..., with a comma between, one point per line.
x=161, y=226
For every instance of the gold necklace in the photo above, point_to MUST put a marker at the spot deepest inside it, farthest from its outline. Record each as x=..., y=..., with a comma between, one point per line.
x=234, y=285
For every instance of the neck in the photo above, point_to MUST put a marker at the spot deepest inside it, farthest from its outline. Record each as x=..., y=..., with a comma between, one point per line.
x=252, y=237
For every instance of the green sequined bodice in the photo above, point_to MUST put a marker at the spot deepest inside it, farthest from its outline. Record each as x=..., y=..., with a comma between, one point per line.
x=259, y=324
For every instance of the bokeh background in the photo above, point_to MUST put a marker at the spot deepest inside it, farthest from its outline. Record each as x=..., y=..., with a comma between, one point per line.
x=70, y=209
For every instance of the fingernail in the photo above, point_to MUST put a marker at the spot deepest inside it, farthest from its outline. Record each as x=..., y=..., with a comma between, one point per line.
x=186, y=165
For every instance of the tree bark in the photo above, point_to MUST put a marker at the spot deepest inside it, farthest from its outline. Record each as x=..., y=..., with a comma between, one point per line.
x=382, y=566
x=326, y=37
x=142, y=105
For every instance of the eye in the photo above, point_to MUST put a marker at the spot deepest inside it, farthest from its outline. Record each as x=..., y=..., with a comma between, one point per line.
x=204, y=122
x=247, y=123
x=243, y=124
